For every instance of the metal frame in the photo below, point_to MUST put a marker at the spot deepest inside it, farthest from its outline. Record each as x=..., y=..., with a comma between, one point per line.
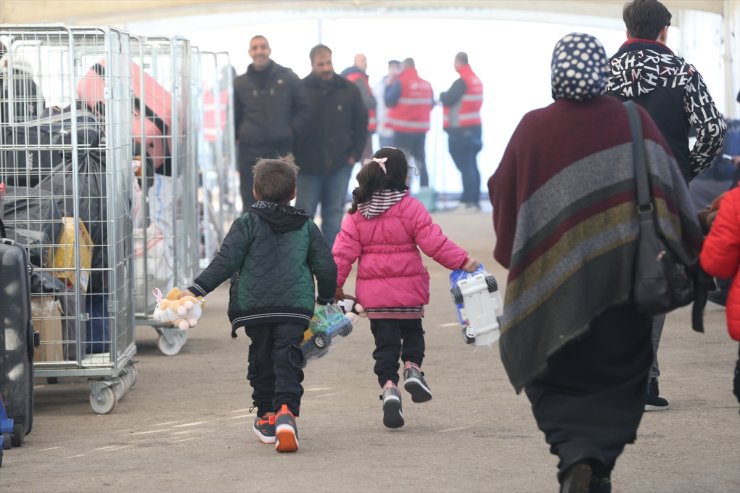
x=168, y=62
x=61, y=59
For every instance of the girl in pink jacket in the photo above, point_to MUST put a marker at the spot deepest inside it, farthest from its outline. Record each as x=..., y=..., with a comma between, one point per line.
x=384, y=230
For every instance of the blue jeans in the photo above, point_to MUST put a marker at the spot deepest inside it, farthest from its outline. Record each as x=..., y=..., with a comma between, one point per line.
x=331, y=192
x=658, y=322
x=464, y=145
x=414, y=145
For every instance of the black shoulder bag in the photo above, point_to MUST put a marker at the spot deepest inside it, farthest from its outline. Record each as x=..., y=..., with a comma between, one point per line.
x=662, y=282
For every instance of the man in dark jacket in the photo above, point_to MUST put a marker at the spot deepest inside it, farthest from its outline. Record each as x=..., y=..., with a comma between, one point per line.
x=673, y=92
x=270, y=109
x=670, y=89
x=272, y=254
x=332, y=142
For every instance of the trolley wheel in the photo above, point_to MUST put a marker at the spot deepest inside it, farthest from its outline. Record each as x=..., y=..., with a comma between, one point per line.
x=103, y=401
x=7, y=443
x=131, y=374
x=172, y=347
x=492, y=284
x=457, y=296
x=322, y=341
x=118, y=388
x=19, y=433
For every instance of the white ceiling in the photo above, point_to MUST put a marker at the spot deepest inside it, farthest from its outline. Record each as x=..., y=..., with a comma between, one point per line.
x=76, y=12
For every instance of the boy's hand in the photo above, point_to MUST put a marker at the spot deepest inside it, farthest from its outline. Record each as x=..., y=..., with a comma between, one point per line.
x=471, y=265
x=187, y=292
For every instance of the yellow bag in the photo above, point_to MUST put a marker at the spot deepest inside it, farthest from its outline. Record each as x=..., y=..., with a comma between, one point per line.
x=63, y=254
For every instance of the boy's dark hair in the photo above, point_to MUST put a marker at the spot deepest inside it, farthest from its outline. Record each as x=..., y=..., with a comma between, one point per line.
x=372, y=178
x=275, y=179
x=645, y=19
x=318, y=49
x=462, y=57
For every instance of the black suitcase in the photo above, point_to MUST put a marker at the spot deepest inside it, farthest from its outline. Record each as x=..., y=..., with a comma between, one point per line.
x=16, y=338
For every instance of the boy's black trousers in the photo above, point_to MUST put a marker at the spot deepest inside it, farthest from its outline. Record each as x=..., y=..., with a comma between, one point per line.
x=275, y=369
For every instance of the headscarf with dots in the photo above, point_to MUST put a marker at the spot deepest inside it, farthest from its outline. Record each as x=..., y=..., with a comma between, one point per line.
x=579, y=67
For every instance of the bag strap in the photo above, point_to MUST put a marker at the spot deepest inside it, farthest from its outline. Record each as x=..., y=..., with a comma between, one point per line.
x=644, y=200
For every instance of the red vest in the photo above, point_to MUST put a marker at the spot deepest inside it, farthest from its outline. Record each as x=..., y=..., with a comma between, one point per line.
x=411, y=113
x=466, y=112
x=372, y=122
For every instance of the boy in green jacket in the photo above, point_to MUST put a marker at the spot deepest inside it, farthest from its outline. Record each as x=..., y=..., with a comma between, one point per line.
x=272, y=253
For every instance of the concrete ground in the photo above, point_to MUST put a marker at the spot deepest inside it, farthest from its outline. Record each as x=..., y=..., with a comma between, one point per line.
x=186, y=427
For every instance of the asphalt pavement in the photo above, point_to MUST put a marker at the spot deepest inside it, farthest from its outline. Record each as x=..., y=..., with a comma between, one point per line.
x=186, y=427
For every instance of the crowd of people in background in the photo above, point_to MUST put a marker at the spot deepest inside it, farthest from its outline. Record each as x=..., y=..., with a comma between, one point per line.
x=327, y=121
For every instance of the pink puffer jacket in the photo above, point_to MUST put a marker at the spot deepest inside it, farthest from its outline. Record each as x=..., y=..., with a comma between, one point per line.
x=390, y=271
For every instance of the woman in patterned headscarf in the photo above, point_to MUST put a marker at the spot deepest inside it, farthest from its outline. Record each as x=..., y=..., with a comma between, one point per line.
x=566, y=228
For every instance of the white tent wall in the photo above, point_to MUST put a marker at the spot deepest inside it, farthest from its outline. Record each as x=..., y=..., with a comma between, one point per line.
x=509, y=49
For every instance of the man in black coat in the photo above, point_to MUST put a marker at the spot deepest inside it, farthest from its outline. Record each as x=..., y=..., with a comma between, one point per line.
x=332, y=142
x=270, y=109
x=673, y=92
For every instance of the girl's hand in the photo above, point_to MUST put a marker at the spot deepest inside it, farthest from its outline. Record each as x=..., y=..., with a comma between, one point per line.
x=339, y=294
x=471, y=265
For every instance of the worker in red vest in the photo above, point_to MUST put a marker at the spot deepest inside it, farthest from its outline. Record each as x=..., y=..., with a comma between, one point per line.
x=357, y=74
x=462, y=122
x=410, y=100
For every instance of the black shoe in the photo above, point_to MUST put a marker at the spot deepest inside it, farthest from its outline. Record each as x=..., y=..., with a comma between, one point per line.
x=719, y=296
x=577, y=478
x=392, y=410
x=415, y=384
x=654, y=401
x=600, y=485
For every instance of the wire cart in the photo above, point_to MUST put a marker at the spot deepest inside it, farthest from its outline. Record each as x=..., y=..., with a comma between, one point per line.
x=65, y=156
x=166, y=237
x=216, y=150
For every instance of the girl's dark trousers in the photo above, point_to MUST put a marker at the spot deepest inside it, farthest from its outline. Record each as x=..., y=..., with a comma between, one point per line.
x=394, y=339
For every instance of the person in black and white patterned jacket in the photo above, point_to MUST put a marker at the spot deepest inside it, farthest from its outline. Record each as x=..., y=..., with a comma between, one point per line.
x=645, y=70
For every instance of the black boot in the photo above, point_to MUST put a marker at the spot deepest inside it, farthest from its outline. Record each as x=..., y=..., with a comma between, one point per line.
x=654, y=401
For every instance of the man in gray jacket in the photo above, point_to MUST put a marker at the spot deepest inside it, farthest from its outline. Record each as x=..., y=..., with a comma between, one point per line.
x=270, y=109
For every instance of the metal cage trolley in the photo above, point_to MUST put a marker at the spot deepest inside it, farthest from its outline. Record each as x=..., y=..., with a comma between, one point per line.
x=65, y=157
x=216, y=161
x=166, y=231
